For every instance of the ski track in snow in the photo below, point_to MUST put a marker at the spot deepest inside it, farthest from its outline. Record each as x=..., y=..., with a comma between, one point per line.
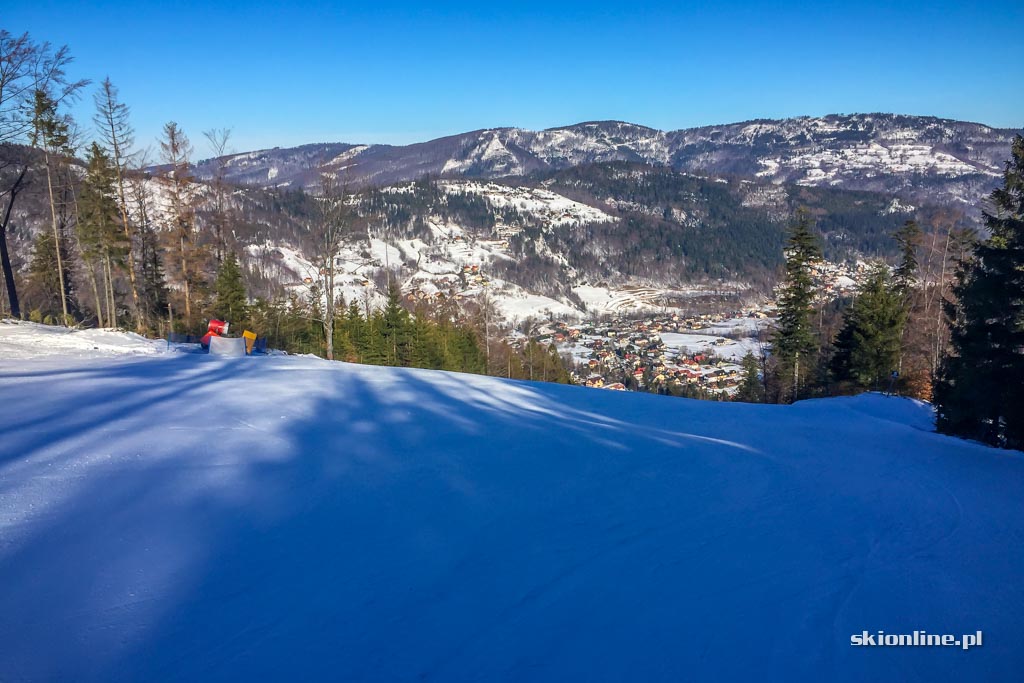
x=169, y=516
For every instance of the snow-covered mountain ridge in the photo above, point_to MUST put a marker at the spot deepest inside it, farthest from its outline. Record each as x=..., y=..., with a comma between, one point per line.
x=176, y=516
x=918, y=157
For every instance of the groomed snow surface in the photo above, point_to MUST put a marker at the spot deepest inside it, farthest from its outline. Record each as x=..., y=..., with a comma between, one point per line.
x=181, y=517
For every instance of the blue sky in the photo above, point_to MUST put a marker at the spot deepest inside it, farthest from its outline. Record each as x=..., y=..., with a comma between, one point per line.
x=411, y=71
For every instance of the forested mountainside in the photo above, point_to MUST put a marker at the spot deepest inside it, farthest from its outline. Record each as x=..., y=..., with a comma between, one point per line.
x=654, y=224
x=549, y=234
x=719, y=228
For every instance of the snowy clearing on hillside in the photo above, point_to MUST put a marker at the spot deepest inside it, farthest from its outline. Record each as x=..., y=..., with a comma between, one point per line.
x=521, y=305
x=184, y=517
x=559, y=210
x=702, y=343
x=745, y=325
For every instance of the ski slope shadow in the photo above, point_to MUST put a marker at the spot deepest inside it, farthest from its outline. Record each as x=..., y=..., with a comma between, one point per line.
x=160, y=541
x=114, y=394
x=303, y=520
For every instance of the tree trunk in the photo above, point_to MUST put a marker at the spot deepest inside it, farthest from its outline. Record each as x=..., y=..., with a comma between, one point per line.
x=329, y=334
x=329, y=307
x=139, y=323
x=8, y=270
x=796, y=376
x=5, y=257
x=12, y=291
x=91, y=267
x=56, y=241
x=940, y=313
x=111, y=304
x=185, y=278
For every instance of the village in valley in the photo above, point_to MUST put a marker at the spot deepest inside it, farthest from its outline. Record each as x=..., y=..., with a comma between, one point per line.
x=662, y=354
x=677, y=353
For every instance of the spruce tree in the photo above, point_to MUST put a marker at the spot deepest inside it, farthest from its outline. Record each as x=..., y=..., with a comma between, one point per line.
x=794, y=341
x=232, y=302
x=868, y=345
x=750, y=390
x=376, y=347
x=554, y=367
x=424, y=345
x=45, y=285
x=908, y=237
x=358, y=331
x=151, y=283
x=980, y=392
x=905, y=284
x=100, y=237
x=396, y=329
x=463, y=351
x=153, y=295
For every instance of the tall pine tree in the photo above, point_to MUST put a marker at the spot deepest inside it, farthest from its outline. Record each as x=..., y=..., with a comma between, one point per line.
x=751, y=390
x=980, y=392
x=794, y=341
x=232, y=303
x=908, y=238
x=48, y=293
x=100, y=238
x=396, y=328
x=868, y=346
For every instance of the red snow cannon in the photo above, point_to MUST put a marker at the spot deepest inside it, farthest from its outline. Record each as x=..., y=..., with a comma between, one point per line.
x=217, y=328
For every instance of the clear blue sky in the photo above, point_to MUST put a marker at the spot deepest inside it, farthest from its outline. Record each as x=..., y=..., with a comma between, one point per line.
x=410, y=71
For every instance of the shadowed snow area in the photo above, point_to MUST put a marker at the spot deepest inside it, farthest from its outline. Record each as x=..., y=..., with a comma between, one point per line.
x=183, y=517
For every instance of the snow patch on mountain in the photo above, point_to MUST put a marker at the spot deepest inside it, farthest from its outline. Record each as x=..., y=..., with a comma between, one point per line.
x=553, y=207
x=487, y=151
x=896, y=206
x=834, y=165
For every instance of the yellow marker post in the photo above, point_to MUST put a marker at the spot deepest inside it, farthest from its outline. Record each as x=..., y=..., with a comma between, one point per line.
x=250, y=339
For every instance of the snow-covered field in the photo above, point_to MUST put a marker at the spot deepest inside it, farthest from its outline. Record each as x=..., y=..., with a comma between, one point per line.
x=731, y=349
x=183, y=517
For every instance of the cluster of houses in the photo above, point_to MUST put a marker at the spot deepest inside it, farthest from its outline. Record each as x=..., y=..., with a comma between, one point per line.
x=630, y=353
x=625, y=354
x=505, y=231
x=669, y=322
x=644, y=363
x=471, y=275
x=836, y=279
x=654, y=374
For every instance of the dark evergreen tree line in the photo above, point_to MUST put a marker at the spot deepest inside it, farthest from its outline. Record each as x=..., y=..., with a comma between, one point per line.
x=980, y=388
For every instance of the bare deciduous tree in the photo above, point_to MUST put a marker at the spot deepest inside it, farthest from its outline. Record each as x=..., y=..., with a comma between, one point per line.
x=218, y=139
x=328, y=233
x=25, y=68
x=176, y=151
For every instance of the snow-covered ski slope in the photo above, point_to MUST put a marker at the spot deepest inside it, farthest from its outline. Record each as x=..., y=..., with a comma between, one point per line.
x=179, y=517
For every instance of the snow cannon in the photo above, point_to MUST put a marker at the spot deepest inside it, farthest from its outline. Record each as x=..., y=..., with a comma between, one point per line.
x=216, y=328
